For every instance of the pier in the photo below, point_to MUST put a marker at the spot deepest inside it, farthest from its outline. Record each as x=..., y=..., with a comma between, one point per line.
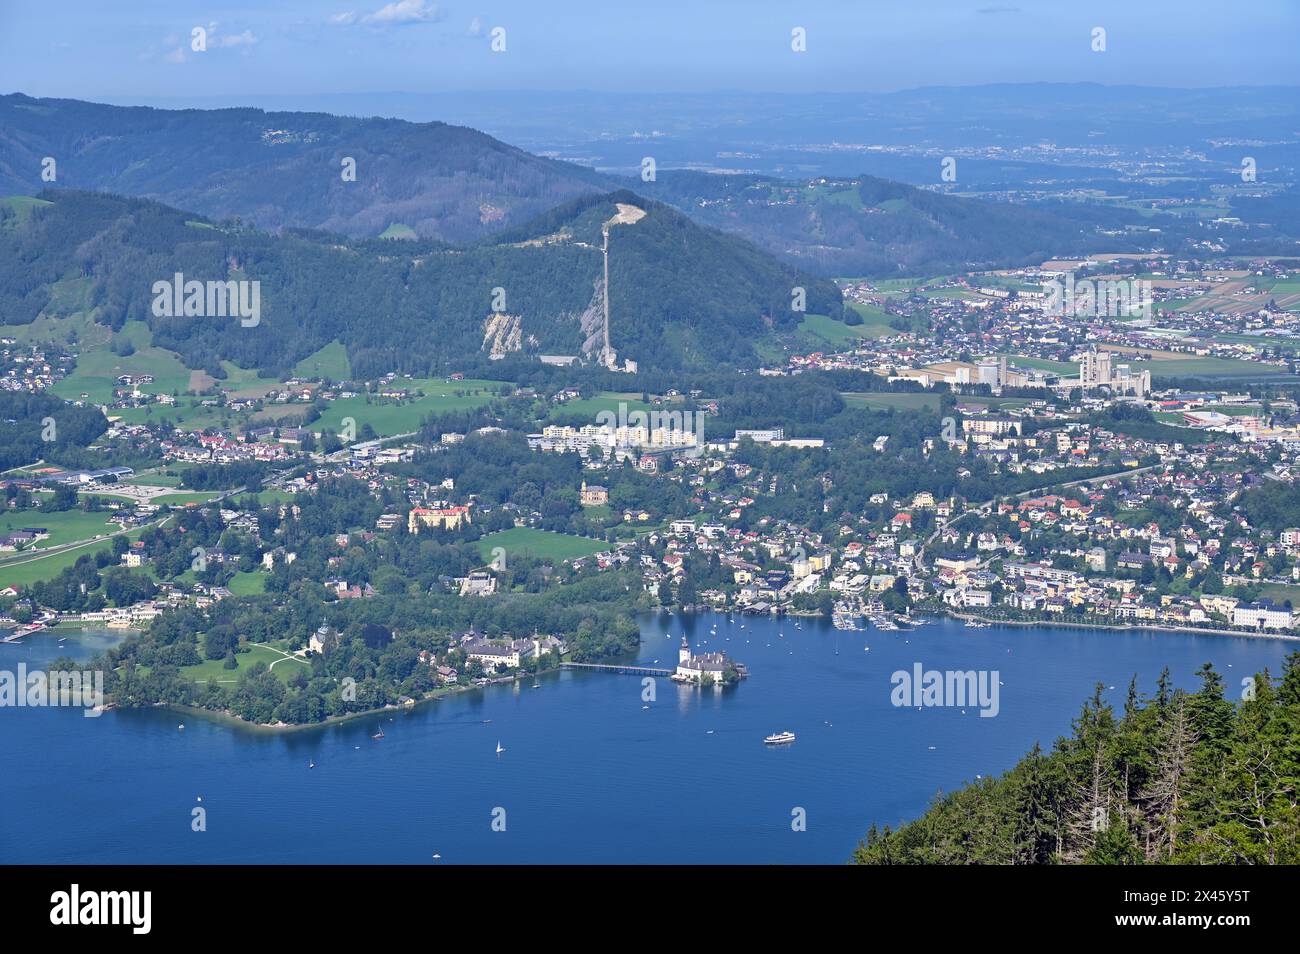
x=621, y=670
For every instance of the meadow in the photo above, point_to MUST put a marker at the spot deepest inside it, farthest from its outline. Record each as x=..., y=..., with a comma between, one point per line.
x=387, y=418
x=542, y=544
x=67, y=526
x=280, y=663
x=903, y=401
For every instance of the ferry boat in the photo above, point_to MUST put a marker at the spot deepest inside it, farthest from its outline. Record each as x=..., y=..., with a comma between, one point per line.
x=779, y=738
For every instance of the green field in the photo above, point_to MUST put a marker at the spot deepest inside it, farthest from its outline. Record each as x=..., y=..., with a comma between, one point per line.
x=1280, y=593
x=179, y=498
x=875, y=324
x=901, y=401
x=98, y=368
x=1166, y=367
x=154, y=478
x=994, y=404
x=1042, y=364
x=389, y=418
x=22, y=204
x=542, y=544
x=604, y=401
x=24, y=570
x=1209, y=368
x=213, y=670
x=330, y=362
x=248, y=584
x=399, y=230
x=68, y=526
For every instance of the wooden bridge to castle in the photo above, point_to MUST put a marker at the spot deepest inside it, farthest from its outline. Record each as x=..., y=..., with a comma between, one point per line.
x=621, y=670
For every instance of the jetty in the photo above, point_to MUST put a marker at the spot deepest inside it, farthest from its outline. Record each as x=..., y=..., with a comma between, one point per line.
x=620, y=670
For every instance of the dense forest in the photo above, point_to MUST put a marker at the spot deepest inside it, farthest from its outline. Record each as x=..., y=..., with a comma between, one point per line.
x=376, y=642
x=1180, y=777
x=875, y=227
x=1272, y=506
x=38, y=426
x=286, y=169
x=681, y=295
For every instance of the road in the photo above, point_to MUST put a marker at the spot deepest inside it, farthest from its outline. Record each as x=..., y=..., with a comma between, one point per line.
x=986, y=506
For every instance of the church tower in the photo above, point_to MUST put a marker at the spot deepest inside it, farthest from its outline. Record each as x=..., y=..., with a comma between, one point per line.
x=684, y=654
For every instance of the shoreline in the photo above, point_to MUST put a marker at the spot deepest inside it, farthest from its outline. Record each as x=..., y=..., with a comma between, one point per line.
x=1155, y=627
x=228, y=718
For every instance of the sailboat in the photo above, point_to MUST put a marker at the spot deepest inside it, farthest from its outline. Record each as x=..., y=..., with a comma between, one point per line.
x=500, y=747
x=379, y=734
x=311, y=764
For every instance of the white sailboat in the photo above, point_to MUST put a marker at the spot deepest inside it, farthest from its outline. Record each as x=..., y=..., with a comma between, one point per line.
x=500, y=747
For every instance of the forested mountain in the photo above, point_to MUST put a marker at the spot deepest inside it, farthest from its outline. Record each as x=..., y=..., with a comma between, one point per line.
x=874, y=227
x=680, y=295
x=282, y=169
x=285, y=169
x=40, y=426
x=1184, y=778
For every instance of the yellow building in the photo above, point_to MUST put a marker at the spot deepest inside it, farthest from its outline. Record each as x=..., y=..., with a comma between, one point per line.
x=594, y=495
x=449, y=518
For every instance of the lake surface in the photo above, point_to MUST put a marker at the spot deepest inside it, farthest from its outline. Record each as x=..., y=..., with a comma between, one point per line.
x=588, y=774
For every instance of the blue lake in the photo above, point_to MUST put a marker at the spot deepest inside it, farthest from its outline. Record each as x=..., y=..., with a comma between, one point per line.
x=588, y=774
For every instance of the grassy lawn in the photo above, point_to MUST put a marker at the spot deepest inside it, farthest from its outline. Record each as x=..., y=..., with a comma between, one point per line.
x=98, y=368
x=68, y=526
x=180, y=497
x=213, y=670
x=24, y=571
x=22, y=204
x=1042, y=364
x=248, y=584
x=605, y=401
x=904, y=401
x=837, y=334
x=266, y=496
x=156, y=479
x=1280, y=593
x=1209, y=368
x=330, y=362
x=992, y=403
x=542, y=544
x=389, y=418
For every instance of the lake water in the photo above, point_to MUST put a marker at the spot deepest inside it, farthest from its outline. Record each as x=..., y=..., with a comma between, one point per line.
x=588, y=774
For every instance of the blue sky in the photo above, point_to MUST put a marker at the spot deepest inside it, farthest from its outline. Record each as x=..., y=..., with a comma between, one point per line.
x=92, y=49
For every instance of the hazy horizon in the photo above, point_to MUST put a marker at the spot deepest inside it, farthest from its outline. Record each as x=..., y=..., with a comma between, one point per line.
x=85, y=51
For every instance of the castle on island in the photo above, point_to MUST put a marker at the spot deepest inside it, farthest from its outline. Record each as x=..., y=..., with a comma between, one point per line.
x=706, y=669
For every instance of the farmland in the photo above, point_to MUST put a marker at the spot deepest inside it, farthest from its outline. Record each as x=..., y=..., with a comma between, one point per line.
x=389, y=417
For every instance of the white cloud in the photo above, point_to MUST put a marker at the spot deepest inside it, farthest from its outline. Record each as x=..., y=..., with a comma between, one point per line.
x=403, y=11
x=343, y=19
x=176, y=56
x=239, y=39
